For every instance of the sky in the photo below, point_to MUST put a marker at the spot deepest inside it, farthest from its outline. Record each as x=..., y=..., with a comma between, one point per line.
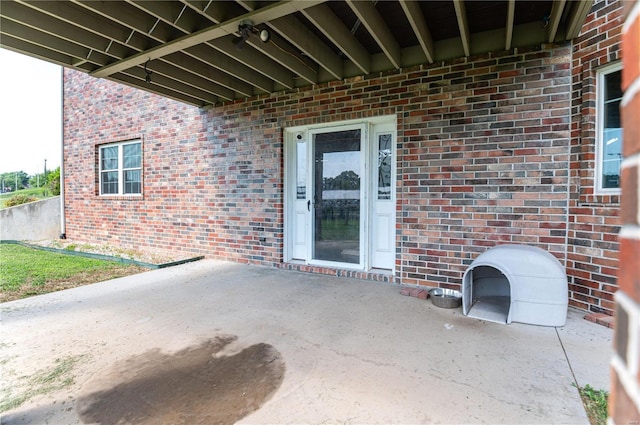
x=30, y=113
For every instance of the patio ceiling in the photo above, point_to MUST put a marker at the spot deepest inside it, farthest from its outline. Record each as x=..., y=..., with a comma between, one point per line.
x=191, y=50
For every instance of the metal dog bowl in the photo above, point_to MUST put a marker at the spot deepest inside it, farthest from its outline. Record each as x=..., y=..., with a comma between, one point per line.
x=445, y=298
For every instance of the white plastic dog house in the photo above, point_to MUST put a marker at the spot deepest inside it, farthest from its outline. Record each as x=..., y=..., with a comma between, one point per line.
x=516, y=283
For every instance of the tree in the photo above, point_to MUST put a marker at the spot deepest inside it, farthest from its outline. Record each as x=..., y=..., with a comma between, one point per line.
x=9, y=180
x=38, y=180
x=347, y=180
x=53, y=182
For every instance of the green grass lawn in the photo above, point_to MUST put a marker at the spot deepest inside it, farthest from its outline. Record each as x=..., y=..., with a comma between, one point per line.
x=339, y=229
x=595, y=403
x=26, y=271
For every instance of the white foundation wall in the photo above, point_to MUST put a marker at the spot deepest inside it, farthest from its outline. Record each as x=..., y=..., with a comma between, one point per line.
x=33, y=221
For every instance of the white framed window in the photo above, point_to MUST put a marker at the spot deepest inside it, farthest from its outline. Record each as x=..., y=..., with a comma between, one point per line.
x=609, y=129
x=121, y=168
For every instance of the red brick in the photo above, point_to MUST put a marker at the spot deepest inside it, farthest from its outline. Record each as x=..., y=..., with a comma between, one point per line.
x=631, y=52
x=601, y=319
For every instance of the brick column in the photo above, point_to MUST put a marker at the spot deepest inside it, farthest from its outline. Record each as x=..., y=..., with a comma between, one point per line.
x=624, y=405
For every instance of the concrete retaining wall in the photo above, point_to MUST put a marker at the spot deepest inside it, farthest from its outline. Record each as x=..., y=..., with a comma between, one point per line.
x=32, y=221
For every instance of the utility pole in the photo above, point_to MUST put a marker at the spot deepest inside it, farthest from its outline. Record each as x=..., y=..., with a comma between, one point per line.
x=16, y=187
x=45, y=169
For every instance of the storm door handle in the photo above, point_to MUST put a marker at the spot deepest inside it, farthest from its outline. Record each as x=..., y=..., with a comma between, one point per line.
x=308, y=205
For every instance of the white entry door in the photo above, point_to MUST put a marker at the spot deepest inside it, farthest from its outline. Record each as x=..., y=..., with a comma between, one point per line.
x=340, y=186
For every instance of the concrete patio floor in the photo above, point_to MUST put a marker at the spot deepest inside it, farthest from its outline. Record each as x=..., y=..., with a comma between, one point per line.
x=353, y=351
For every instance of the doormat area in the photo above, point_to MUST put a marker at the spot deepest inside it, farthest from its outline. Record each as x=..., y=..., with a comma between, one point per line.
x=374, y=275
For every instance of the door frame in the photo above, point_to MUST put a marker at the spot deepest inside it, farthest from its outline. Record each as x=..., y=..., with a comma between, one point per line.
x=368, y=188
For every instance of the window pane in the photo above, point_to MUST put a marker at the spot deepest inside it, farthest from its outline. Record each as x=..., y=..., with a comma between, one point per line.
x=132, y=155
x=612, y=114
x=109, y=182
x=384, y=166
x=109, y=158
x=612, y=158
x=613, y=86
x=301, y=170
x=611, y=136
x=132, y=183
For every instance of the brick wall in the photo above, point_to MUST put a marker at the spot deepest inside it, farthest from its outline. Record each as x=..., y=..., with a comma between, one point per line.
x=483, y=161
x=484, y=156
x=592, y=250
x=211, y=186
x=624, y=404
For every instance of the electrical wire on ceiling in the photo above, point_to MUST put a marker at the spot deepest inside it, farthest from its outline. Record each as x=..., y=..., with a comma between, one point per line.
x=147, y=78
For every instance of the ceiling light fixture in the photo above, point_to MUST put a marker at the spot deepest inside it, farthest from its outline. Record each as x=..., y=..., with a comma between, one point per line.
x=246, y=28
x=264, y=35
x=148, y=76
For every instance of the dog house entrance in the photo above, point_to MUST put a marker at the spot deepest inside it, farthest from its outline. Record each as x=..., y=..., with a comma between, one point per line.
x=490, y=294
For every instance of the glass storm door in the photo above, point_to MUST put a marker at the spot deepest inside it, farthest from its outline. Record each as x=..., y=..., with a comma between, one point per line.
x=337, y=196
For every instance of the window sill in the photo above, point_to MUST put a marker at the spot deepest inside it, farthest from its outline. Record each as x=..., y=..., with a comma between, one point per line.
x=120, y=197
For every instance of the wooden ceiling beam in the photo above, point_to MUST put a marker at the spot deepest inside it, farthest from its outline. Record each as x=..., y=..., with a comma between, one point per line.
x=576, y=18
x=259, y=63
x=194, y=59
x=139, y=25
x=554, y=19
x=32, y=50
x=38, y=20
x=218, y=60
x=42, y=39
x=279, y=51
x=67, y=13
x=332, y=27
x=377, y=27
x=511, y=11
x=292, y=30
x=225, y=71
x=463, y=25
x=416, y=19
x=214, y=11
x=165, y=75
x=160, y=90
x=268, y=13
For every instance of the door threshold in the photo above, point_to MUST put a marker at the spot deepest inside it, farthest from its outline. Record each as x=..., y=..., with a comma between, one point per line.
x=377, y=275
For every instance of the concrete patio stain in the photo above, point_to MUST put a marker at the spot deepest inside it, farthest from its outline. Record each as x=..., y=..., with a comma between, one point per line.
x=201, y=384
